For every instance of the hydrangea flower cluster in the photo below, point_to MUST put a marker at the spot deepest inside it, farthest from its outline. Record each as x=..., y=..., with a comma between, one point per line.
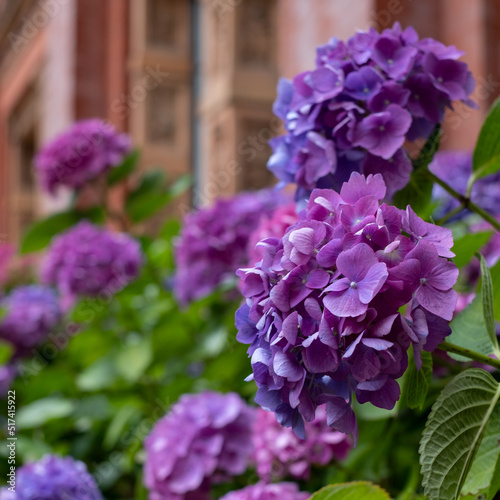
x=322, y=310
x=364, y=99
x=279, y=452
x=80, y=154
x=32, y=312
x=263, y=491
x=455, y=168
x=213, y=243
x=272, y=225
x=205, y=439
x=89, y=260
x=53, y=478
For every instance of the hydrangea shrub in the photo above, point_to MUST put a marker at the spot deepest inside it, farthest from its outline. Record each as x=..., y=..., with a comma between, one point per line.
x=323, y=310
x=204, y=439
x=80, y=154
x=31, y=313
x=53, y=478
x=88, y=260
x=214, y=242
x=363, y=100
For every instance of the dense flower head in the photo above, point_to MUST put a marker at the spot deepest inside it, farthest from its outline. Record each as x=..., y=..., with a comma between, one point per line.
x=88, y=260
x=53, y=478
x=363, y=100
x=323, y=308
x=31, y=313
x=80, y=154
x=455, y=168
x=214, y=241
x=204, y=439
x=279, y=452
x=271, y=225
x=263, y=491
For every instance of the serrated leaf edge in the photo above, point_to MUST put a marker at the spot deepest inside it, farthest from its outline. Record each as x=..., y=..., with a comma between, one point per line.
x=426, y=436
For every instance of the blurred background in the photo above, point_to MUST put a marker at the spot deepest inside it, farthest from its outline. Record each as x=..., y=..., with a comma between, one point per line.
x=193, y=81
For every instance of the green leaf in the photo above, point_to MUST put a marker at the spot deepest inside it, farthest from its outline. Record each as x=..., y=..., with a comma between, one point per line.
x=417, y=382
x=454, y=431
x=180, y=186
x=488, y=301
x=483, y=467
x=418, y=192
x=122, y=171
x=41, y=411
x=465, y=247
x=495, y=278
x=429, y=149
x=152, y=195
x=486, y=159
x=5, y=352
x=146, y=206
x=468, y=330
x=149, y=197
x=99, y=375
x=119, y=424
x=359, y=490
x=495, y=482
x=149, y=182
x=41, y=232
x=133, y=359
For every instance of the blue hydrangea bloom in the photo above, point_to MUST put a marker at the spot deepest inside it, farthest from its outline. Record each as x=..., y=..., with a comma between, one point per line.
x=31, y=313
x=53, y=478
x=357, y=107
x=214, y=241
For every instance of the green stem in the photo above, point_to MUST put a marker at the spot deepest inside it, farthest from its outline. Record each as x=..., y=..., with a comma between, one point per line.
x=468, y=353
x=465, y=201
x=449, y=215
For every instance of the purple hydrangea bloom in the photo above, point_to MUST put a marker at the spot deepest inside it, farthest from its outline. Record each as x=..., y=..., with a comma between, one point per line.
x=53, y=478
x=280, y=453
x=31, y=312
x=80, y=154
x=214, y=241
x=88, y=260
x=270, y=226
x=204, y=439
x=263, y=491
x=356, y=109
x=323, y=307
x=455, y=168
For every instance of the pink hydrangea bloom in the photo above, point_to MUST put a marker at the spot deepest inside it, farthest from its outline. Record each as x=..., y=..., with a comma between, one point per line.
x=280, y=453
